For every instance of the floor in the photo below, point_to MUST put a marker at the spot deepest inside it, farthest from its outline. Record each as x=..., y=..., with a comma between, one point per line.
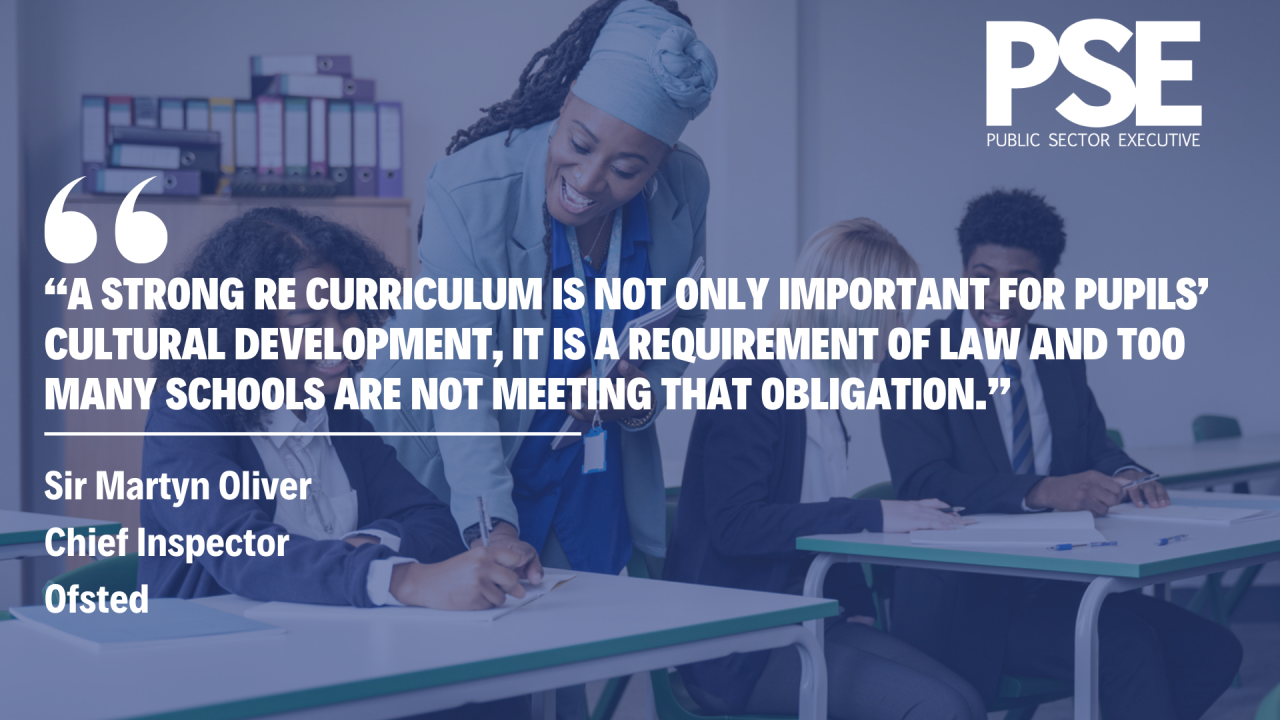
x=1260, y=673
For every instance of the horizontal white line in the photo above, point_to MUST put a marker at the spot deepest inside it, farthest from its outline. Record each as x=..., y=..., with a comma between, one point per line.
x=305, y=434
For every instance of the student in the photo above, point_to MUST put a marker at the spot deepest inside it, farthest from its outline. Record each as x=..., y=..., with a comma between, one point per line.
x=578, y=174
x=367, y=532
x=1040, y=446
x=757, y=479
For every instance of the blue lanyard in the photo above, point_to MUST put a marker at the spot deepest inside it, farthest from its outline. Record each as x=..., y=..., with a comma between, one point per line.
x=610, y=273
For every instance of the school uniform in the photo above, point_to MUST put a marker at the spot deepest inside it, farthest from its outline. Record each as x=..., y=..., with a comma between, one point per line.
x=1157, y=660
x=359, y=488
x=754, y=481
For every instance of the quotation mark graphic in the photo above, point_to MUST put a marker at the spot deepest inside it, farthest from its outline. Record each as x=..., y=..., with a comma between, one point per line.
x=141, y=237
x=998, y=383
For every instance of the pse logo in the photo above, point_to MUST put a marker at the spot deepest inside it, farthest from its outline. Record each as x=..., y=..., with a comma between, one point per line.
x=71, y=237
x=1142, y=92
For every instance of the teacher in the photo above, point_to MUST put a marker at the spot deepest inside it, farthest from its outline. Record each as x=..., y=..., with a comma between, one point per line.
x=578, y=174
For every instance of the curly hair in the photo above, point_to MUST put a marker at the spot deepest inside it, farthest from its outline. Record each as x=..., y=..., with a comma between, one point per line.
x=543, y=87
x=1013, y=218
x=273, y=242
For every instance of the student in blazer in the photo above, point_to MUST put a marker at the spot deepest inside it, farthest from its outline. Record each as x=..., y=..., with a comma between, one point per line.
x=755, y=479
x=584, y=157
x=1041, y=446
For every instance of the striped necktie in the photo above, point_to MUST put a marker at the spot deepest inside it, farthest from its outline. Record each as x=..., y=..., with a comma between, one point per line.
x=1022, y=452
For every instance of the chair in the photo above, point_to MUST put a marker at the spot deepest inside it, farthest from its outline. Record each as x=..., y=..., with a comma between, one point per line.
x=117, y=574
x=1270, y=707
x=1116, y=437
x=1221, y=602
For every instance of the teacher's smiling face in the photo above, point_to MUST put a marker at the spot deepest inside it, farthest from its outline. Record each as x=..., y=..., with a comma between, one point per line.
x=596, y=163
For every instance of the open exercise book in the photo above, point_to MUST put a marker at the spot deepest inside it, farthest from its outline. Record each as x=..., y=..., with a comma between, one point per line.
x=167, y=621
x=1027, y=530
x=654, y=318
x=1192, y=514
x=295, y=611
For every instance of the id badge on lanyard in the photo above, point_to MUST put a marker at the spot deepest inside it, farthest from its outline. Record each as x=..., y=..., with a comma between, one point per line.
x=595, y=440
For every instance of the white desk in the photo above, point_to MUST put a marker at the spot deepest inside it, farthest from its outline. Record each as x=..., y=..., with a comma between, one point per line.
x=1135, y=562
x=22, y=533
x=1213, y=462
x=592, y=628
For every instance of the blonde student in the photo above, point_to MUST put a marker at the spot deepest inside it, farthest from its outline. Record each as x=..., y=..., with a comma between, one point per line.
x=756, y=479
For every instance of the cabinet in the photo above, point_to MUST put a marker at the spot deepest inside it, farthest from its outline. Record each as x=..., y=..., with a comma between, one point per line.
x=383, y=221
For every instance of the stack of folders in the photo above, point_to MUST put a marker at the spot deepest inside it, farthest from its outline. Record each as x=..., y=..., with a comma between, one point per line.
x=310, y=129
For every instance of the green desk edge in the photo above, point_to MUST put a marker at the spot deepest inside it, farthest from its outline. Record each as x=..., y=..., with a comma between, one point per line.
x=423, y=679
x=870, y=551
x=30, y=536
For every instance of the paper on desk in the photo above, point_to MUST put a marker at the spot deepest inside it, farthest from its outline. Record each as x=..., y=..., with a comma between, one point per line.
x=1031, y=529
x=168, y=621
x=295, y=611
x=1192, y=514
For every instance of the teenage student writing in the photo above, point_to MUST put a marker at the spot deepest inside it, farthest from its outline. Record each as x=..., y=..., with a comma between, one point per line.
x=1041, y=446
x=367, y=533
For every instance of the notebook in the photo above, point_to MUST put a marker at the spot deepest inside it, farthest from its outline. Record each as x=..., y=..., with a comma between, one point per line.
x=1192, y=514
x=1029, y=530
x=302, y=611
x=167, y=620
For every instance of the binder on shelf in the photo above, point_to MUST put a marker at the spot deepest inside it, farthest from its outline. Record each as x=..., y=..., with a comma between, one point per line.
x=390, y=155
x=246, y=137
x=197, y=113
x=296, y=142
x=331, y=87
x=146, y=112
x=319, y=167
x=119, y=110
x=173, y=115
x=154, y=136
x=364, y=149
x=204, y=158
x=340, y=168
x=93, y=134
x=222, y=121
x=118, y=181
x=270, y=136
x=299, y=65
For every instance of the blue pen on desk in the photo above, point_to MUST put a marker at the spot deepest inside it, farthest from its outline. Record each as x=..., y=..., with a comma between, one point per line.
x=484, y=521
x=1174, y=539
x=1068, y=546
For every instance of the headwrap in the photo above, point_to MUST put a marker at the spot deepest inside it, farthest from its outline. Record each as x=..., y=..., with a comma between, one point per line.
x=649, y=70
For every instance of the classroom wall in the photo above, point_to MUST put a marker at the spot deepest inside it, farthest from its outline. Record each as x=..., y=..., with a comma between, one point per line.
x=10, y=318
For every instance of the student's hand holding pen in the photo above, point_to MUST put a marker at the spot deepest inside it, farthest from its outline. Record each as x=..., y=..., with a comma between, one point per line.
x=505, y=536
x=478, y=579
x=908, y=515
x=1143, y=494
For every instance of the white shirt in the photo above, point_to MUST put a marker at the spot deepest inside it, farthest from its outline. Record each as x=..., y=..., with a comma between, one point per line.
x=1041, y=432
x=828, y=452
x=330, y=510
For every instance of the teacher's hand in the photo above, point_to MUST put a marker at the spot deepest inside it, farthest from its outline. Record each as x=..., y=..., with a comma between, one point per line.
x=629, y=373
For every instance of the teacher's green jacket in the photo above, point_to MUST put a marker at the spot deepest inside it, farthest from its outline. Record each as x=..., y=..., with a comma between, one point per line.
x=483, y=219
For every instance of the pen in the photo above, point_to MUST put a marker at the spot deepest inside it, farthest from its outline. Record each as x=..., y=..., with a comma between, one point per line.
x=484, y=521
x=1152, y=477
x=1068, y=546
x=1174, y=539
x=957, y=510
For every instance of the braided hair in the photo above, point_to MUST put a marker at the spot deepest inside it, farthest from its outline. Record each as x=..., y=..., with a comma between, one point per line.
x=543, y=87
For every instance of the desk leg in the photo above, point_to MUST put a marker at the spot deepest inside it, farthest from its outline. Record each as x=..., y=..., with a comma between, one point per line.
x=1086, y=670
x=544, y=705
x=813, y=677
x=813, y=583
